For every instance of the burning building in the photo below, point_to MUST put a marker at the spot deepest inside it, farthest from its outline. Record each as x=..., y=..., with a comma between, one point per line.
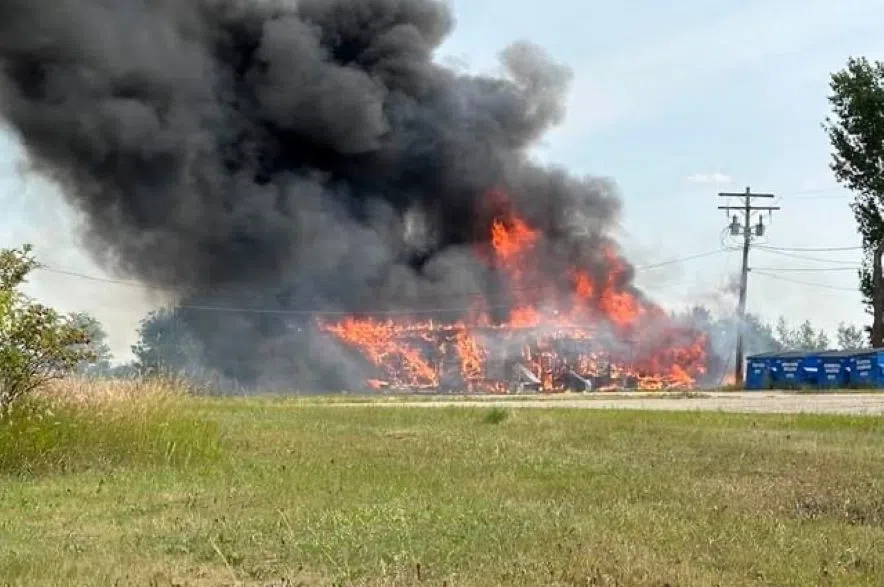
x=333, y=204
x=557, y=332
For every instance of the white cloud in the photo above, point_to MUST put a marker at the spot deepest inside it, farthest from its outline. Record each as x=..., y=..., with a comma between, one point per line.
x=715, y=178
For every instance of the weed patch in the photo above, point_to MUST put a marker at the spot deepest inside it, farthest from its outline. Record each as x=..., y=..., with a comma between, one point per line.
x=496, y=416
x=57, y=433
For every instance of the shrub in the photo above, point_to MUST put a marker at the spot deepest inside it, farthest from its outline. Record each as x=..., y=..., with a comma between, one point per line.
x=80, y=424
x=496, y=415
x=37, y=344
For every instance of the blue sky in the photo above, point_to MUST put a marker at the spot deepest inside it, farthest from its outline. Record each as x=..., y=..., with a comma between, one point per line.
x=674, y=101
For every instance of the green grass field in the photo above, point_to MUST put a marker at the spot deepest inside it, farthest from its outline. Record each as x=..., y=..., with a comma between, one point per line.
x=172, y=491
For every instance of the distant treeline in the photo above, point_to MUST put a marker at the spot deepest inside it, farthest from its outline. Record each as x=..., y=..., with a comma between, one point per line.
x=165, y=345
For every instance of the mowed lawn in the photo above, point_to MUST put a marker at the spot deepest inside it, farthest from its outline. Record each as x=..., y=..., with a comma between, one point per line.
x=281, y=492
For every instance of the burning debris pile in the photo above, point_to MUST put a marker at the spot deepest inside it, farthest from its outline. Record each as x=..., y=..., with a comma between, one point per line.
x=290, y=161
x=558, y=333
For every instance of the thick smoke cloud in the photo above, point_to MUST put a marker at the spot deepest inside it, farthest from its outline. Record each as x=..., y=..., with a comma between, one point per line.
x=288, y=155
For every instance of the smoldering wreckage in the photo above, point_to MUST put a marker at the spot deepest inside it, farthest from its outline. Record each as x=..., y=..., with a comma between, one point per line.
x=373, y=216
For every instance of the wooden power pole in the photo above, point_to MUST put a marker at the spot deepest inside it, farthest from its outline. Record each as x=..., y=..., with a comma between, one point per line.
x=746, y=230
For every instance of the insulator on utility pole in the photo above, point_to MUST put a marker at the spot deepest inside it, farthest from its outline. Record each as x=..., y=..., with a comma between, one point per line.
x=747, y=209
x=735, y=226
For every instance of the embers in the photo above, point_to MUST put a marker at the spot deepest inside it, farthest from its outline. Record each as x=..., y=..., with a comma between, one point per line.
x=503, y=360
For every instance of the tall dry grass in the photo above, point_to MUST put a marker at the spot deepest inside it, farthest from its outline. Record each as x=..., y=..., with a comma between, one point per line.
x=77, y=424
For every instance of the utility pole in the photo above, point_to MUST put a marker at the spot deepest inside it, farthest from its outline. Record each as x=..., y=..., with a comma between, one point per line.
x=746, y=229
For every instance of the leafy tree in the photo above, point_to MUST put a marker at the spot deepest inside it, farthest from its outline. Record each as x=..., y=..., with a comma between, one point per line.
x=37, y=344
x=822, y=341
x=809, y=339
x=102, y=356
x=803, y=338
x=787, y=338
x=759, y=336
x=851, y=338
x=164, y=345
x=856, y=133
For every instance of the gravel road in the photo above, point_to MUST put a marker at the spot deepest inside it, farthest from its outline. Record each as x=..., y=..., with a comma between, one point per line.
x=765, y=402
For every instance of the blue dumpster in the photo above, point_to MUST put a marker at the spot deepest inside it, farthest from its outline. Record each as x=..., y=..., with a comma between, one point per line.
x=834, y=369
x=758, y=371
x=866, y=369
x=810, y=367
x=787, y=370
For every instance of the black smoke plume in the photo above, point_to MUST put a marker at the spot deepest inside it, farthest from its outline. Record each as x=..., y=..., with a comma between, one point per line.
x=289, y=156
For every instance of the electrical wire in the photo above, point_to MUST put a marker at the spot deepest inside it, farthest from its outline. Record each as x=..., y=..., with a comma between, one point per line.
x=804, y=269
x=347, y=313
x=814, y=194
x=807, y=283
x=456, y=311
x=48, y=269
x=809, y=250
x=682, y=259
x=806, y=257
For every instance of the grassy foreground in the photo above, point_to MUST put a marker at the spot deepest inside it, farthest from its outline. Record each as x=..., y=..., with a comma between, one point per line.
x=141, y=487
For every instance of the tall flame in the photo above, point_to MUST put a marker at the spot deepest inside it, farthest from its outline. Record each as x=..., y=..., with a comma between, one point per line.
x=556, y=335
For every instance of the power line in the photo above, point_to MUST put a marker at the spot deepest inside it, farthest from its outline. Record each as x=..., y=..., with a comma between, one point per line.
x=833, y=197
x=334, y=312
x=815, y=194
x=338, y=313
x=145, y=286
x=682, y=259
x=317, y=312
x=804, y=269
x=806, y=258
x=807, y=283
x=96, y=278
x=809, y=250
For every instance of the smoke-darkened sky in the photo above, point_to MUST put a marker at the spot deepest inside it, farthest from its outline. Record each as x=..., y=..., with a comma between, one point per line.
x=302, y=154
x=713, y=100
x=241, y=142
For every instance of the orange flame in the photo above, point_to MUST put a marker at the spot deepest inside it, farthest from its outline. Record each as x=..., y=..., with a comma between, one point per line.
x=378, y=340
x=471, y=355
x=541, y=323
x=512, y=238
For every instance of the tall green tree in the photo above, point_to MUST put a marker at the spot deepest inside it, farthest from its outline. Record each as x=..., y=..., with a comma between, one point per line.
x=810, y=339
x=787, y=338
x=37, y=344
x=758, y=335
x=99, y=363
x=850, y=337
x=856, y=133
x=803, y=338
x=165, y=345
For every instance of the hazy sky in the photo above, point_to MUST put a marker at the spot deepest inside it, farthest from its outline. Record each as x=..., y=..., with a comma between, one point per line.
x=675, y=101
